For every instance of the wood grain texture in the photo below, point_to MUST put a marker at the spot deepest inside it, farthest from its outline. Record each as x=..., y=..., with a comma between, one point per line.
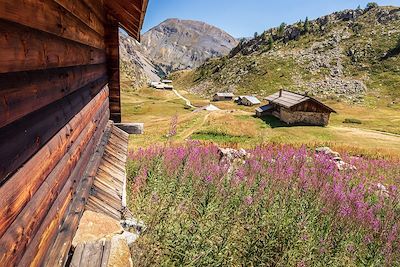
x=83, y=12
x=112, y=51
x=57, y=254
x=14, y=240
x=36, y=252
x=24, y=92
x=13, y=199
x=24, y=49
x=21, y=139
x=48, y=16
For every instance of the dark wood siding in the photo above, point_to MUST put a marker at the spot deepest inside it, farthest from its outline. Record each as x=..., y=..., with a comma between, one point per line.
x=59, y=80
x=310, y=106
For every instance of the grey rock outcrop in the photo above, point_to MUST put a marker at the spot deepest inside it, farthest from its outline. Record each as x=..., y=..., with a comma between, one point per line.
x=184, y=44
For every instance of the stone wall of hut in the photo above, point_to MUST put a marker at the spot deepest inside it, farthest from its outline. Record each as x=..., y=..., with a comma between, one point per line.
x=306, y=118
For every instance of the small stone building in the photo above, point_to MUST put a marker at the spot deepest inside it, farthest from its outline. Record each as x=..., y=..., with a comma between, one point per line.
x=223, y=97
x=296, y=109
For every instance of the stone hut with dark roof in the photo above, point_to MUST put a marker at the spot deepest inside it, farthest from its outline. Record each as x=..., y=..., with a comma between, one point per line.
x=223, y=97
x=296, y=109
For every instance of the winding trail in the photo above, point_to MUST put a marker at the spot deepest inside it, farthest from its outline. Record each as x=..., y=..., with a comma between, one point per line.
x=190, y=131
x=184, y=99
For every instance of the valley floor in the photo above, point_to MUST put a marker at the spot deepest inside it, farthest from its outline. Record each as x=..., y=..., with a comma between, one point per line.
x=378, y=133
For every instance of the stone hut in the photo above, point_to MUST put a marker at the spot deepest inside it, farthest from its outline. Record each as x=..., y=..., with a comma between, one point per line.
x=223, y=97
x=297, y=109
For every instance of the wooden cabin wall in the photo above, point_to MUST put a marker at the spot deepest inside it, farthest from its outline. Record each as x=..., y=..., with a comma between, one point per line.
x=310, y=106
x=55, y=64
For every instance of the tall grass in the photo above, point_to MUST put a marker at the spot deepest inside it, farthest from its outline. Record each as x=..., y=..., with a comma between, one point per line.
x=280, y=206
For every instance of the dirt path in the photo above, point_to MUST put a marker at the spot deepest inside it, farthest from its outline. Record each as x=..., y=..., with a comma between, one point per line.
x=190, y=131
x=184, y=99
x=373, y=134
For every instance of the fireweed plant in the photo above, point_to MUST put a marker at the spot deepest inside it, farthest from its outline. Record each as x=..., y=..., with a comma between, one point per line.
x=281, y=206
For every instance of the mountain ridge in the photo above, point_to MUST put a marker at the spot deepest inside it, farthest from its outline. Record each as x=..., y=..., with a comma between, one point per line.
x=342, y=55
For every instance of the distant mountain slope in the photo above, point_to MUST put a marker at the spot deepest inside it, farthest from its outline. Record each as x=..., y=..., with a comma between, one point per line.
x=351, y=55
x=181, y=44
x=136, y=68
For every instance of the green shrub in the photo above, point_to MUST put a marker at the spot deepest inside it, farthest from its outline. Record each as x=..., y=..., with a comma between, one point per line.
x=350, y=120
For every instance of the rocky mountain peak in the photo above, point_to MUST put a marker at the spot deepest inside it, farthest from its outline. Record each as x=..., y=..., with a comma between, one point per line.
x=177, y=44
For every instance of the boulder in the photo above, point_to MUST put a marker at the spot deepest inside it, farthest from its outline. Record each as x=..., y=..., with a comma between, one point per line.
x=120, y=255
x=94, y=226
x=327, y=151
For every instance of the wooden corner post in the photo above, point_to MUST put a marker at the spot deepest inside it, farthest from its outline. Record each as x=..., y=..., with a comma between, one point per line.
x=112, y=50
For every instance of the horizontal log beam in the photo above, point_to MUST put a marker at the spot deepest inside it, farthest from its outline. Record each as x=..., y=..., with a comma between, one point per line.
x=24, y=92
x=57, y=255
x=83, y=12
x=48, y=16
x=131, y=128
x=36, y=252
x=14, y=241
x=14, y=199
x=112, y=51
x=25, y=49
x=21, y=139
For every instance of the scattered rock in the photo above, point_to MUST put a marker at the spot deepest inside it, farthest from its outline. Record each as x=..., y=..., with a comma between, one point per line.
x=382, y=190
x=94, y=226
x=130, y=224
x=120, y=255
x=231, y=154
x=336, y=158
x=129, y=237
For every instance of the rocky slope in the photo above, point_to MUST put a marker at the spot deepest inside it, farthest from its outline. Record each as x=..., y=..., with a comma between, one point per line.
x=136, y=68
x=346, y=55
x=183, y=44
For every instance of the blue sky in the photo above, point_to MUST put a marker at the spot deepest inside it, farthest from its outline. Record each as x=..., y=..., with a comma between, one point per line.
x=243, y=18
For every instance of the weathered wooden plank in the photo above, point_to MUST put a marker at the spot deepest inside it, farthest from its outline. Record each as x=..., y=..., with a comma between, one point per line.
x=97, y=6
x=127, y=14
x=23, y=138
x=106, y=253
x=25, y=92
x=13, y=198
x=131, y=128
x=36, y=252
x=92, y=254
x=48, y=16
x=14, y=241
x=112, y=51
x=58, y=252
x=76, y=258
x=83, y=12
x=24, y=49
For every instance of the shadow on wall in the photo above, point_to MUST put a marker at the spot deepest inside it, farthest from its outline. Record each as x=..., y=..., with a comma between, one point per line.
x=274, y=122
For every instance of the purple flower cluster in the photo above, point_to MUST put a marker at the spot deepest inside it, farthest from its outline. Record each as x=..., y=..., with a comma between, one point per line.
x=364, y=199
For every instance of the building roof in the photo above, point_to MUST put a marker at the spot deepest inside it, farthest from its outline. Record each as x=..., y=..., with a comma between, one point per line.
x=252, y=99
x=264, y=108
x=209, y=107
x=225, y=94
x=289, y=99
x=129, y=14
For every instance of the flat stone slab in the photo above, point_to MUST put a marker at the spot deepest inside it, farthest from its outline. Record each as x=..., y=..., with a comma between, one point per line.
x=131, y=128
x=95, y=226
x=120, y=254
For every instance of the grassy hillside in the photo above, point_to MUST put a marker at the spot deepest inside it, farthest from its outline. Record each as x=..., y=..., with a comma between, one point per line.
x=351, y=56
x=236, y=125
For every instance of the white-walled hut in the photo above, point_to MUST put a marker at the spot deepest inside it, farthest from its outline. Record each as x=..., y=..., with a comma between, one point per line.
x=248, y=100
x=166, y=81
x=297, y=109
x=223, y=97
